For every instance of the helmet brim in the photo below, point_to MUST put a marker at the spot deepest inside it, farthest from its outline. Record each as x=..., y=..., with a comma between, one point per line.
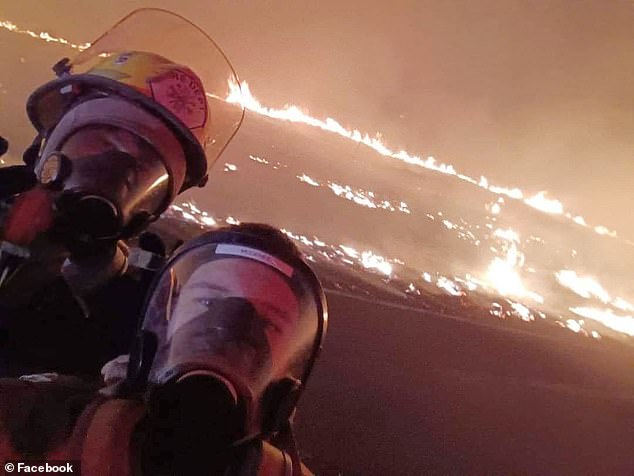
x=47, y=104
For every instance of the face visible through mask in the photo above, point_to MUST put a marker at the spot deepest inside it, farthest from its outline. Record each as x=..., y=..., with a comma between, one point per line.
x=276, y=306
x=114, y=182
x=95, y=140
x=230, y=317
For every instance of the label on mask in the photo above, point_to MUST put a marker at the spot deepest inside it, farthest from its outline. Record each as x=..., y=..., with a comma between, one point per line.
x=257, y=255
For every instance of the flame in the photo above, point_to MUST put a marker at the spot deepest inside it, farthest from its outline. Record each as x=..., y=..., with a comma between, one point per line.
x=496, y=310
x=449, y=225
x=208, y=221
x=503, y=272
x=507, y=281
x=449, y=286
x=514, y=193
x=306, y=179
x=587, y=287
x=359, y=197
x=522, y=311
x=624, y=324
x=368, y=259
x=584, y=286
x=349, y=251
x=372, y=261
x=508, y=235
x=47, y=37
x=601, y=230
x=469, y=282
x=346, y=191
x=574, y=326
x=579, y=220
x=260, y=160
x=540, y=202
x=241, y=94
x=623, y=305
x=365, y=198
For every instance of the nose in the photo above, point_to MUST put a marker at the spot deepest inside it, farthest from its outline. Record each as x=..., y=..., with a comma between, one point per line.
x=238, y=319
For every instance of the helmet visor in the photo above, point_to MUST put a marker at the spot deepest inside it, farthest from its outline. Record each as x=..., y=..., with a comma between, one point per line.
x=176, y=39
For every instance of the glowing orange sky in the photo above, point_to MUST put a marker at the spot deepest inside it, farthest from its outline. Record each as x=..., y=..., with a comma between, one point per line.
x=530, y=94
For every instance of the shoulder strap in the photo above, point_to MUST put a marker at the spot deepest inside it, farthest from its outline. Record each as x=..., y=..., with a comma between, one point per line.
x=274, y=462
x=107, y=449
x=260, y=458
x=285, y=438
x=72, y=448
x=39, y=414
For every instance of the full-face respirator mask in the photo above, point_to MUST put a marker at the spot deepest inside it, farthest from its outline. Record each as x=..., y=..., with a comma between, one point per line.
x=154, y=77
x=238, y=324
x=106, y=165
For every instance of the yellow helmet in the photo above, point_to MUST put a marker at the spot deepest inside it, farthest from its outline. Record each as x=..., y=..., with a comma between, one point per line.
x=188, y=100
x=175, y=87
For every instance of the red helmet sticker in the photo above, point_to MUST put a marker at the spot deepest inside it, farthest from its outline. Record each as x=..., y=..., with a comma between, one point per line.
x=181, y=93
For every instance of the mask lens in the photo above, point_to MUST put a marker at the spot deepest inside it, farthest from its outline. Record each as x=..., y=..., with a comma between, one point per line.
x=108, y=194
x=237, y=316
x=229, y=336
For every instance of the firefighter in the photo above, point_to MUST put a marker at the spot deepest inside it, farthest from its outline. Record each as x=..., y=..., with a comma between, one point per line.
x=130, y=123
x=230, y=332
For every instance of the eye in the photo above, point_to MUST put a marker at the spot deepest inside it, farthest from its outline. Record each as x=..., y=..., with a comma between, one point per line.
x=205, y=297
x=205, y=301
x=271, y=324
x=130, y=180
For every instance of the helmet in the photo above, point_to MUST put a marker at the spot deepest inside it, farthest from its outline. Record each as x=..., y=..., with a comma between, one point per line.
x=240, y=306
x=162, y=63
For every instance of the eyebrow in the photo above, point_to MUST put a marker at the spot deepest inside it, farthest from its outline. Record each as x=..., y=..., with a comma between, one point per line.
x=206, y=286
x=215, y=287
x=285, y=315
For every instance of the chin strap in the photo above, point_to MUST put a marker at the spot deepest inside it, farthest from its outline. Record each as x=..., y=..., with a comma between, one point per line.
x=261, y=458
x=285, y=440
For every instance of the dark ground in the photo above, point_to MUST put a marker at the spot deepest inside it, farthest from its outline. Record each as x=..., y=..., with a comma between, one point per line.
x=406, y=393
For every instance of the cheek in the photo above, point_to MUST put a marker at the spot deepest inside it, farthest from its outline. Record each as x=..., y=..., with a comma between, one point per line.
x=281, y=349
x=186, y=308
x=184, y=311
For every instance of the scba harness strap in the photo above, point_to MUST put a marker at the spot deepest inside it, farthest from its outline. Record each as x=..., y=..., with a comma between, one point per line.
x=102, y=440
x=112, y=422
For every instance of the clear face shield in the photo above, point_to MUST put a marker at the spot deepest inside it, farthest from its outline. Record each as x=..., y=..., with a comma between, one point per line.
x=199, y=78
x=127, y=125
x=132, y=121
x=238, y=317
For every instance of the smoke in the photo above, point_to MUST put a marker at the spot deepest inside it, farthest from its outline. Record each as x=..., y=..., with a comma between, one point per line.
x=529, y=94
x=535, y=95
